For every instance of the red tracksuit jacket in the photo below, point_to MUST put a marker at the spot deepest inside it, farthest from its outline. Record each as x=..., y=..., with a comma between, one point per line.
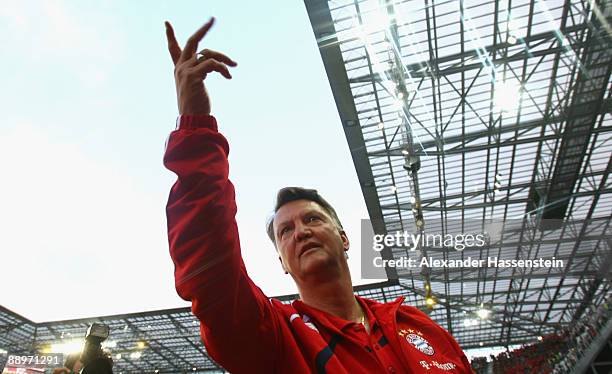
x=242, y=329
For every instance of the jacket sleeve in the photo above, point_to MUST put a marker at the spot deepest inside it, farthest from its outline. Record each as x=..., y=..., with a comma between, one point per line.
x=238, y=323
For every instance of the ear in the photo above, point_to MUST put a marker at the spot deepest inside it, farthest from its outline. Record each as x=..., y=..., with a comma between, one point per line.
x=345, y=240
x=283, y=265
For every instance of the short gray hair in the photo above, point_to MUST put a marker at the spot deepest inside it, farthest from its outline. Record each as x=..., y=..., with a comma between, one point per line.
x=288, y=194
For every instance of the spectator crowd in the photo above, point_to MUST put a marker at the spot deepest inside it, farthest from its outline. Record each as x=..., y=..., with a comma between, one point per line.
x=555, y=353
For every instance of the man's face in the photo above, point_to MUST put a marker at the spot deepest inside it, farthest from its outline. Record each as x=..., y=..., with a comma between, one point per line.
x=308, y=241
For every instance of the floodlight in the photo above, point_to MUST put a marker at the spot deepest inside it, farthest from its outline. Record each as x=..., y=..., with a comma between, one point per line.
x=483, y=313
x=468, y=322
x=135, y=355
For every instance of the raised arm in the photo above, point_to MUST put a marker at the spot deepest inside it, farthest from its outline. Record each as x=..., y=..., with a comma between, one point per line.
x=238, y=324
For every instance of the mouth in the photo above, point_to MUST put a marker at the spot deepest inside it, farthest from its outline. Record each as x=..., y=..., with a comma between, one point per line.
x=309, y=247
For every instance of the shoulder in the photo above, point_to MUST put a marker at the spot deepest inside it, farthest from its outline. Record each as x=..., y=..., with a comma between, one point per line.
x=414, y=312
x=396, y=305
x=421, y=318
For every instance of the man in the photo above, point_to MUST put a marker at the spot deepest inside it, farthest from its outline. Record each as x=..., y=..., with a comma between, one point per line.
x=329, y=330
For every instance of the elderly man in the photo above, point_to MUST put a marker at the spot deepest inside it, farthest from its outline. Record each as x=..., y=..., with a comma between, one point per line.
x=329, y=329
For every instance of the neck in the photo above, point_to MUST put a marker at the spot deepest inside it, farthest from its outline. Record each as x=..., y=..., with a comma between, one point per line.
x=334, y=296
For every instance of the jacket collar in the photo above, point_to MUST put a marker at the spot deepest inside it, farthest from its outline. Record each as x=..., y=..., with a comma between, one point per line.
x=383, y=313
x=375, y=304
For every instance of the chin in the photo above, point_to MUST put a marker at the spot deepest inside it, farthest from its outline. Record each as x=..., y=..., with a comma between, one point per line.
x=319, y=263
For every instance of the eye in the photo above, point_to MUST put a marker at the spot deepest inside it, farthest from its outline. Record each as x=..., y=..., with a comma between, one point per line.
x=283, y=231
x=313, y=219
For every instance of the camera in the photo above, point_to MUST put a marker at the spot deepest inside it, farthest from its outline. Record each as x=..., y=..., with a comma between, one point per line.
x=93, y=358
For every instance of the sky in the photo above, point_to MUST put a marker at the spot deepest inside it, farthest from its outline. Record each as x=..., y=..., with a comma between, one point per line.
x=88, y=100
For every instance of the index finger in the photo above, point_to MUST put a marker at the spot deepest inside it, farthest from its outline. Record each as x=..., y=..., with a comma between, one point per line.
x=173, y=46
x=192, y=43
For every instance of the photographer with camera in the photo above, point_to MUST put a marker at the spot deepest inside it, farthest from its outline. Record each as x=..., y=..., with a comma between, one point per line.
x=92, y=360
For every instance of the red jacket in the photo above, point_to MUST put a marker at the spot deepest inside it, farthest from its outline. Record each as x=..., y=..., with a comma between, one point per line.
x=242, y=329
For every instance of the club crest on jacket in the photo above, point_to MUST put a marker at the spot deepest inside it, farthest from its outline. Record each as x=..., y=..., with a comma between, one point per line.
x=420, y=343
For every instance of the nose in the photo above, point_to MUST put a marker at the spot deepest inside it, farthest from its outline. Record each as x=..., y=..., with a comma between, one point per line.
x=302, y=232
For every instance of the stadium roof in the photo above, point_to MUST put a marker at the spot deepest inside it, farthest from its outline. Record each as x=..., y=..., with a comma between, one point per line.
x=467, y=115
